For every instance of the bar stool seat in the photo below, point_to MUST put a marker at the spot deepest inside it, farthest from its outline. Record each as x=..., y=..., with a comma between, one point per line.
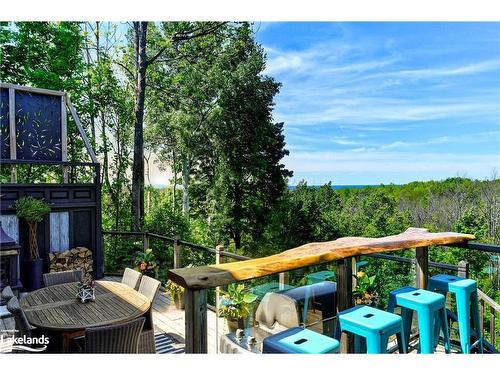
x=431, y=314
x=373, y=325
x=465, y=291
x=299, y=340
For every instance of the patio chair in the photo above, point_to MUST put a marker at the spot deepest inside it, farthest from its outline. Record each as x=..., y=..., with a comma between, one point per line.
x=64, y=277
x=148, y=287
x=22, y=324
x=7, y=293
x=132, y=278
x=117, y=338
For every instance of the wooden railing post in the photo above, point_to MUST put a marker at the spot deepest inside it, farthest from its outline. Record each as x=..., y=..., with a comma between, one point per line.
x=422, y=267
x=145, y=240
x=345, y=298
x=195, y=315
x=463, y=269
x=177, y=252
x=218, y=259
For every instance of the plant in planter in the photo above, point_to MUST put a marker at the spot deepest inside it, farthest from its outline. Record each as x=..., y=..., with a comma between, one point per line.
x=364, y=293
x=32, y=210
x=176, y=293
x=235, y=306
x=145, y=263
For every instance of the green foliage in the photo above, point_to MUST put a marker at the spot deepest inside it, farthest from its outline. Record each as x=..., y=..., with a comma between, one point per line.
x=145, y=263
x=235, y=303
x=365, y=292
x=162, y=219
x=31, y=209
x=173, y=289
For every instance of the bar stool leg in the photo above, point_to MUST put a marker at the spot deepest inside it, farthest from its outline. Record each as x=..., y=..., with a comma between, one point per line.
x=426, y=329
x=475, y=317
x=407, y=317
x=402, y=343
x=374, y=344
x=463, y=306
x=444, y=327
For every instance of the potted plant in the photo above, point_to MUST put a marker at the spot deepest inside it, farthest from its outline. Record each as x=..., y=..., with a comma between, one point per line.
x=364, y=293
x=235, y=305
x=32, y=210
x=145, y=263
x=176, y=293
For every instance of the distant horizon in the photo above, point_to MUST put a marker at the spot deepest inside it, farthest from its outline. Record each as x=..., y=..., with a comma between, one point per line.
x=344, y=186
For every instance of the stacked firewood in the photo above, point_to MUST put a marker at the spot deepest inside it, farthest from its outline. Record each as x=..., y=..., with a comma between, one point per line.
x=79, y=257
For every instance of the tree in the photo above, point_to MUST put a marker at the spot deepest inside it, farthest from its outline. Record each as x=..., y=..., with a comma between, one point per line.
x=165, y=49
x=242, y=170
x=181, y=101
x=46, y=55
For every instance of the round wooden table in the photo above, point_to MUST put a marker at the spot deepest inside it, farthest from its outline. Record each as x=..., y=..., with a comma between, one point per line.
x=56, y=308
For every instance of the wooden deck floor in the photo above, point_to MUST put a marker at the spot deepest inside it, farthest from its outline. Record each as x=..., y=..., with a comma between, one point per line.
x=168, y=319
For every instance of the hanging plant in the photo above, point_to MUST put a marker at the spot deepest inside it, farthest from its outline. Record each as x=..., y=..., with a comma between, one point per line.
x=32, y=210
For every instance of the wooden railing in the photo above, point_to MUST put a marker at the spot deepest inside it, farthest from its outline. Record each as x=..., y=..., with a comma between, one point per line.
x=493, y=307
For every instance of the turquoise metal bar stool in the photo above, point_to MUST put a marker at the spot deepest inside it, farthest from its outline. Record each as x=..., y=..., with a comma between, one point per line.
x=299, y=340
x=465, y=291
x=431, y=314
x=406, y=314
x=373, y=326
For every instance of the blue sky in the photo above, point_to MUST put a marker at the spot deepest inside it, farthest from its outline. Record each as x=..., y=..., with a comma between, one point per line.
x=370, y=103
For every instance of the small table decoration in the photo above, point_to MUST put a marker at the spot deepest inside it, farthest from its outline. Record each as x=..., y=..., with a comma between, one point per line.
x=86, y=291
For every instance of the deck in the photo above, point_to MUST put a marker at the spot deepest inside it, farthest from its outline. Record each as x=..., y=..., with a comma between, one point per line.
x=168, y=319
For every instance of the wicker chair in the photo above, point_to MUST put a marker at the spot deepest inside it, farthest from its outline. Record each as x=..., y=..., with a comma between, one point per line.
x=56, y=278
x=118, y=338
x=132, y=278
x=22, y=324
x=148, y=287
x=7, y=293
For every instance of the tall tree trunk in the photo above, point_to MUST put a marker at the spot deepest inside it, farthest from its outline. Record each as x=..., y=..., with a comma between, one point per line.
x=174, y=171
x=105, y=164
x=185, y=186
x=89, y=84
x=140, y=29
x=236, y=213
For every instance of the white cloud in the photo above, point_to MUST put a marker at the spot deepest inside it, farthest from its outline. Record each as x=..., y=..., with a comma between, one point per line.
x=370, y=110
x=385, y=162
x=473, y=68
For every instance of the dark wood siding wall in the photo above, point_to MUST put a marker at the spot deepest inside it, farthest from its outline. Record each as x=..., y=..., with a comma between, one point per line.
x=81, y=201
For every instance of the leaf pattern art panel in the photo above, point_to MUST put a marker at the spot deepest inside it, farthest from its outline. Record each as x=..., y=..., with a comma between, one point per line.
x=4, y=124
x=38, y=126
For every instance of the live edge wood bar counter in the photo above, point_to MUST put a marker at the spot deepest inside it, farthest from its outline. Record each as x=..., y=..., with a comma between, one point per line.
x=308, y=255
x=57, y=309
x=198, y=279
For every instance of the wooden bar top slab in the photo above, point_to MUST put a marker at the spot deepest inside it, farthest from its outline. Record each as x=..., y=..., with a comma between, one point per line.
x=308, y=255
x=57, y=308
